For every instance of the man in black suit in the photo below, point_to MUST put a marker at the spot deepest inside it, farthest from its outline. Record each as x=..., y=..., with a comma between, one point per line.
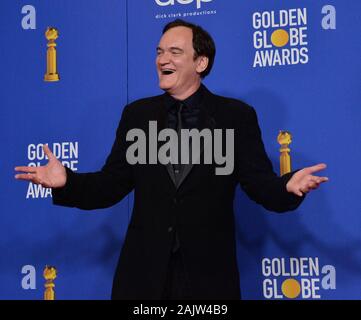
x=180, y=242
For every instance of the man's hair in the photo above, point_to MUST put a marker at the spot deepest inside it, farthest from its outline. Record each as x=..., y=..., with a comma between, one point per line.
x=203, y=43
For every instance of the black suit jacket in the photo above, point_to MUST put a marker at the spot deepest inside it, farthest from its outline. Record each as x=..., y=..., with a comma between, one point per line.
x=200, y=208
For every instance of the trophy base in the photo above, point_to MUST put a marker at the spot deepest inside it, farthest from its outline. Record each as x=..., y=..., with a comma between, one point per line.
x=52, y=77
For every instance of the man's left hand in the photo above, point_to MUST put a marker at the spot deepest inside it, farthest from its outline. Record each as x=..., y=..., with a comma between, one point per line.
x=304, y=181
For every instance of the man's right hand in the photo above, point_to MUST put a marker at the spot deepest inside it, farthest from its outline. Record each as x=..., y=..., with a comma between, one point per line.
x=52, y=175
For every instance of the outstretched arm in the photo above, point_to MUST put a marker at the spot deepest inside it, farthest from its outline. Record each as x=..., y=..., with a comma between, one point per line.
x=87, y=191
x=256, y=175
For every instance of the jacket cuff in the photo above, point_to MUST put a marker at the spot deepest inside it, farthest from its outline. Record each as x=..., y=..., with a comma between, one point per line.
x=293, y=201
x=62, y=196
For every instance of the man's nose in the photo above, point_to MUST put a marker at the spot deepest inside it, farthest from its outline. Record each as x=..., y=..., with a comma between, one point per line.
x=164, y=58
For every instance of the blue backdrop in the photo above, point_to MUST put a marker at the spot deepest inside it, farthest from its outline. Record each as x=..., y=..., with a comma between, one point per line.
x=308, y=85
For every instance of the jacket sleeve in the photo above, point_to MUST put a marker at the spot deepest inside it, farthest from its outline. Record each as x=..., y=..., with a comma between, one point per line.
x=255, y=172
x=104, y=188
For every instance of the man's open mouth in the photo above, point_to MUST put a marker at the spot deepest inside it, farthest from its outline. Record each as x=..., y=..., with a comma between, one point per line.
x=167, y=71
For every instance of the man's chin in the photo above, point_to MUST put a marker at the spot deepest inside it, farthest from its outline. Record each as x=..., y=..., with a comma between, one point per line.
x=165, y=87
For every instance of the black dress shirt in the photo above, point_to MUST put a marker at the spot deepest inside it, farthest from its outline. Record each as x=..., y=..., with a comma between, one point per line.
x=190, y=111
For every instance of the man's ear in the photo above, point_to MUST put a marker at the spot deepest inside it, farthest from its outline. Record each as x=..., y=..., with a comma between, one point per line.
x=202, y=64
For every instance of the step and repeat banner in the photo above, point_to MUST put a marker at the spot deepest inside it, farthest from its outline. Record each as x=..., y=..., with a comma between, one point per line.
x=77, y=117
x=296, y=62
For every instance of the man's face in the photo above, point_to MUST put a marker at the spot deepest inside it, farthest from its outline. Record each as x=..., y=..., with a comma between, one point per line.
x=178, y=71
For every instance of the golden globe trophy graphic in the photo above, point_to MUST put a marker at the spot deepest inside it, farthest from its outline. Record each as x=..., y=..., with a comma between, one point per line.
x=51, y=75
x=284, y=139
x=49, y=275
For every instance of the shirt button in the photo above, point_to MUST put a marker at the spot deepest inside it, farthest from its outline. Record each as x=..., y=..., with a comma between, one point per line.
x=170, y=229
x=175, y=200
